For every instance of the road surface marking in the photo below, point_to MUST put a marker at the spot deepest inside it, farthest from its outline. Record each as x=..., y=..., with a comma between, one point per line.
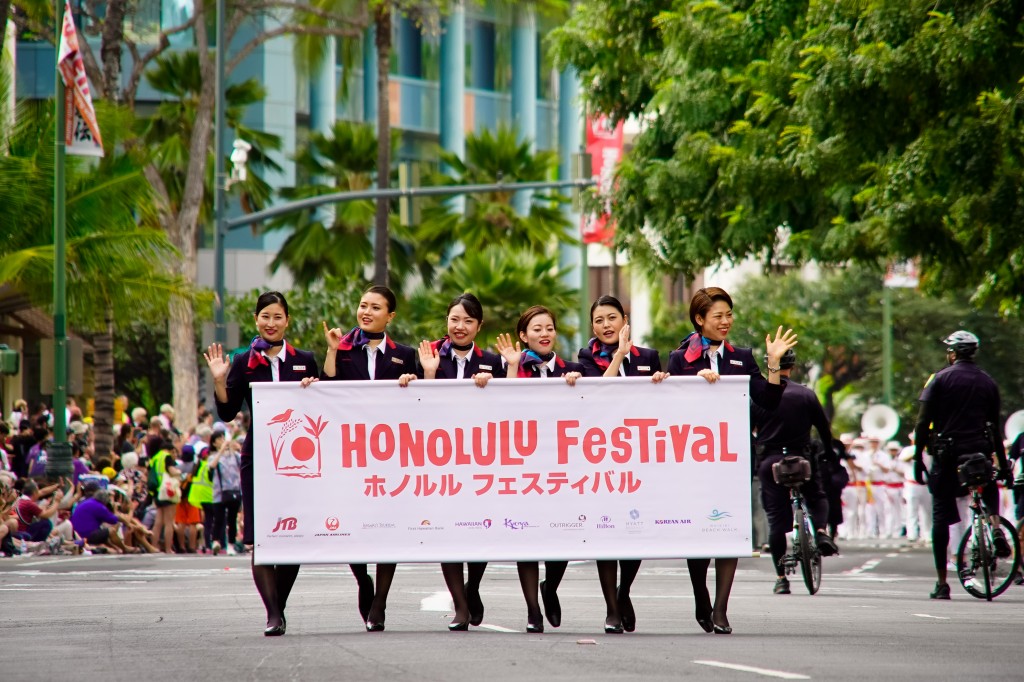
x=496, y=628
x=437, y=601
x=867, y=566
x=925, y=615
x=758, y=671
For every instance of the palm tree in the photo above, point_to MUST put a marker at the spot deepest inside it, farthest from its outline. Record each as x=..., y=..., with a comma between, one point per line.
x=489, y=218
x=117, y=257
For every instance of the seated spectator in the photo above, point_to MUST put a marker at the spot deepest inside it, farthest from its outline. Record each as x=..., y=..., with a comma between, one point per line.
x=34, y=521
x=134, y=533
x=8, y=521
x=36, y=461
x=19, y=413
x=96, y=523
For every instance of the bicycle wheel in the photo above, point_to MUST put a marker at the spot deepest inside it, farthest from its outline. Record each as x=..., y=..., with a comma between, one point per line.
x=810, y=558
x=981, y=573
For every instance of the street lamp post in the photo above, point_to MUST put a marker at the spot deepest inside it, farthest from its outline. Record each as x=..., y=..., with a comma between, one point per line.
x=220, y=186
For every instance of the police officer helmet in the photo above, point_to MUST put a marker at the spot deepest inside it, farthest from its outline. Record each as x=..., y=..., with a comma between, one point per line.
x=963, y=343
x=787, y=361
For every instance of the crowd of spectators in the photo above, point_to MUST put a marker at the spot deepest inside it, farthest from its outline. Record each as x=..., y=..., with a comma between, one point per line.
x=158, y=489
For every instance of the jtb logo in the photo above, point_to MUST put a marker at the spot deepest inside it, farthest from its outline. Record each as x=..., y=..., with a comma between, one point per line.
x=290, y=523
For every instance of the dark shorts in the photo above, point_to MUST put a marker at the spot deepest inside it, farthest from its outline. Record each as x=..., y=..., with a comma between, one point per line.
x=775, y=497
x=945, y=488
x=98, y=536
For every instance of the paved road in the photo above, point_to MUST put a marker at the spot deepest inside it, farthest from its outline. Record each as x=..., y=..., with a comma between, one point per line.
x=183, y=618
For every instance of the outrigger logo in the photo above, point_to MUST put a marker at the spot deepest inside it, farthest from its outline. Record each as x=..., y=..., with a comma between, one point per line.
x=287, y=524
x=719, y=515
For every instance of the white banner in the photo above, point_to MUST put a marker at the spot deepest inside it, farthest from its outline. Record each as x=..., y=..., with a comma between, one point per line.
x=364, y=472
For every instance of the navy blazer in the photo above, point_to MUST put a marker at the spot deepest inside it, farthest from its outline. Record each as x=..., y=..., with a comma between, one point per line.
x=479, y=360
x=296, y=365
x=642, y=362
x=350, y=365
x=733, y=362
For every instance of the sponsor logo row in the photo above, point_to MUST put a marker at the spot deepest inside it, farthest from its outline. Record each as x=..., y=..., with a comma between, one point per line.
x=290, y=527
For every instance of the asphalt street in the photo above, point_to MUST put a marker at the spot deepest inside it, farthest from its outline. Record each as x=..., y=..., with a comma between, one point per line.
x=199, y=617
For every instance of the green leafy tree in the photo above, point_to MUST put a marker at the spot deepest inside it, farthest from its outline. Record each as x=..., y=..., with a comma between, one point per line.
x=118, y=261
x=830, y=130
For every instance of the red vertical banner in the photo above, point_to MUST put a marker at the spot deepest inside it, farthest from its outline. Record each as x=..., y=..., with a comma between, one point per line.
x=604, y=144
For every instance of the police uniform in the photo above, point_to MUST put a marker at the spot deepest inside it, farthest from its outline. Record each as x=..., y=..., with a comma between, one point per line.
x=784, y=432
x=957, y=402
x=290, y=364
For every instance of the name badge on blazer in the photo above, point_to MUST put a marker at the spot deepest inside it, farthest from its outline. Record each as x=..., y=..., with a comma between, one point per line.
x=736, y=362
x=643, y=368
x=486, y=367
x=298, y=368
x=398, y=361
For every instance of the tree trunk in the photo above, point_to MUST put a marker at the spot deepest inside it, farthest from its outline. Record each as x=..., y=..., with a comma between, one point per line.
x=103, y=413
x=5, y=11
x=382, y=21
x=182, y=231
x=111, y=48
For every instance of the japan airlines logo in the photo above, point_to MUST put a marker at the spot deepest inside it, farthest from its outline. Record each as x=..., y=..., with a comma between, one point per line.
x=289, y=523
x=296, y=455
x=332, y=523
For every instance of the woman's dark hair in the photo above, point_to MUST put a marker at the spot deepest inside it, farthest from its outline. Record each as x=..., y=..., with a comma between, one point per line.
x=469, y=303
x=702, y=301
x=215, y=436
x=529, y=314
x=388, y=295
x=270, y=298
x=606, y=300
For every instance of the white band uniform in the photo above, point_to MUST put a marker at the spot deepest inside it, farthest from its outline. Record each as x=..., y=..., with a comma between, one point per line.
x=363, y=472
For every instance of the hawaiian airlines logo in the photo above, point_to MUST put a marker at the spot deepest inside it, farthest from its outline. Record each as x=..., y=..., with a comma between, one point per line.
x=286, y=524
x=487, y=523
x=332, y=523
x=719, y=515
x=296, y=453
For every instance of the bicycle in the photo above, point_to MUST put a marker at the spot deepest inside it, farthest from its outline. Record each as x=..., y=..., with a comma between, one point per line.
x=981, y=573
x=793, y=472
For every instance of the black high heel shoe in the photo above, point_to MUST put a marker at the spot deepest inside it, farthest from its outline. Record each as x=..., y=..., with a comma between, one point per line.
x=704, y=621
x=276, y=630
x=552, y=607
x=534, y=623
x=375, y=623
x=476, y=605
x=458, y=627
x=612, y=628
x=722, y=629
x=626, y=611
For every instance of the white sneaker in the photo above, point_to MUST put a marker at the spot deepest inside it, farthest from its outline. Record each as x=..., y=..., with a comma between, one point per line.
x=215, y=548
x=231, y=550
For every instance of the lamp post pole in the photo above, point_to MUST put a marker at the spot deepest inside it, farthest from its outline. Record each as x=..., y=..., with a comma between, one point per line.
x=60, y=330
x=220, y=186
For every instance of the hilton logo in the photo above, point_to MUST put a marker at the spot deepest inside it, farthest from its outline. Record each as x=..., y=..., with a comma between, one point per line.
x=290, y=523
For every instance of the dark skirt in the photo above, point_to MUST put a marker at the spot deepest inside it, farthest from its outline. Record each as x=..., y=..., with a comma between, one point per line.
x=248, y=504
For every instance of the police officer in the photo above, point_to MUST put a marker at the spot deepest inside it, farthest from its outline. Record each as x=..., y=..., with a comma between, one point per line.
x=784, y=432
x=959, y=408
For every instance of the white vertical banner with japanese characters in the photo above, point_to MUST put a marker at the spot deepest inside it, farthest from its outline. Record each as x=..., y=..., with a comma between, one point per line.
x=81, y=129
x=361, y=472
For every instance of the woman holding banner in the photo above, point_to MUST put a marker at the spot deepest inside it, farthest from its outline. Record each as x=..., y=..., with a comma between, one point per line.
x=537, y=329
x=456, y=356
x=366, y=353
x=269, y=358
x=707, y=353
x=611, y=353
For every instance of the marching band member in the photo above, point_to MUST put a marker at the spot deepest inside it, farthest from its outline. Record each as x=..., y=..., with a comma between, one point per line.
x=707, y=353
x=611, y=353
x=537, y=329
x=269, y=358
x=367, y=353
x=456, y=356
